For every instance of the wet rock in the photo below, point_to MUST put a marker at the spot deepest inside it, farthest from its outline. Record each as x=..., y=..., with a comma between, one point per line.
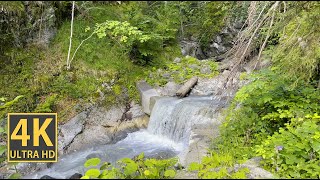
x=76, y=176
x=94, y=155
x=47, y=177
x=127, y=127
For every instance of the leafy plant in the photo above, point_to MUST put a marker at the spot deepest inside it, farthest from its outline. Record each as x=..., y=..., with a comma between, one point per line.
x=294, y=151
x=138, y=167
x=217, y=166
x=47, y=105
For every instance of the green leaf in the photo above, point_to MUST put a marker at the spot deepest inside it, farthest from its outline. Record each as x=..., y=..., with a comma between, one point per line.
x=105, y=166
x=141, y=156
x=194, y=166
x=92, y=162
x=85, y=177
x=170, y=173
x=130, y=168
x=1, y=129
x=93, y=173
x=146, y=172
x=15, y=176
x=3, y=148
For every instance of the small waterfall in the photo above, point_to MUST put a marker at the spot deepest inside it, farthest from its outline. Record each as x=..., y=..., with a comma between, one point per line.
x=168, y=133
x=173, y=118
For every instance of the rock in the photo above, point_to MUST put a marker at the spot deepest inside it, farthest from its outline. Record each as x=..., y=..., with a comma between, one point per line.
x=76, y=176
x=91, y=136
x=218, y=39
x=153, y=101
x=105, y=117
x=220, y=48
x=256, y=172
x=135, y=110
x=47, y=177
x=70, y=130
x=193, y=66
x=238, y=25
x=94, y=155
x=205, y=70
x=169, y=89
x=177, y=60
x=146, y=92
x=185, y=174
x=130, y=126
x=192, y=48
x=166, y=75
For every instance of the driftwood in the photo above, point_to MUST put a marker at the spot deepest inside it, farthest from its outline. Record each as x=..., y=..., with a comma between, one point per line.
x=183, y=91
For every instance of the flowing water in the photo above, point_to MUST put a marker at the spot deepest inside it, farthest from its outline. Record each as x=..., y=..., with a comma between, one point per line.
x=167, y=135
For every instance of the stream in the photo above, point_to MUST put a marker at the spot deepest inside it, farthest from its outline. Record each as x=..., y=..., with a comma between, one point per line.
x=167, y=135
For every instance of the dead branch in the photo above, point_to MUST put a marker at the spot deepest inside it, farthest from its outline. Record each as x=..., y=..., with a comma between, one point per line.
x=183, y=91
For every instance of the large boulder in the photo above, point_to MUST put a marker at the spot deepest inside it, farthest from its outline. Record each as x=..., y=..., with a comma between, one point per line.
x=70, y=130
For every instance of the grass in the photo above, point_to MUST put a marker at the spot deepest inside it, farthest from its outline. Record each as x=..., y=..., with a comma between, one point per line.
x=41, y=75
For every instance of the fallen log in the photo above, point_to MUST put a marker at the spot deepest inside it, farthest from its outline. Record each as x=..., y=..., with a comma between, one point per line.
x=185, y=89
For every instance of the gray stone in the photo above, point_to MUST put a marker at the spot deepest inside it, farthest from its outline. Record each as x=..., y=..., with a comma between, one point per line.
x=47, y=177
x=105, y=117
x=70, y=130
x=218, y=39
x=91, y=136
x=136, y=110
x=205, y=70
x=75, y=176
x=166, y=75
x=193, y=66
x=238, y=25
x=153, y=101
x=177, y=60
x=256, y=172
x=146, y=92
x=169, y=89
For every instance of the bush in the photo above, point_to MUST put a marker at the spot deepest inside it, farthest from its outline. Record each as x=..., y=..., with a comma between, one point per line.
x=217, y=166
x=294, y=151
x=138, y=167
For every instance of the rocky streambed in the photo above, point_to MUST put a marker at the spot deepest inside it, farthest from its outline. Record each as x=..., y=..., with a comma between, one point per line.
x=162, y=126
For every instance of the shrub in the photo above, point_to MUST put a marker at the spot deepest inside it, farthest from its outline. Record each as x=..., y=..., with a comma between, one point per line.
x=138, y=167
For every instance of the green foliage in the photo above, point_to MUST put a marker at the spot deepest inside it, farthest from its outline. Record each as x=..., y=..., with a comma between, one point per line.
x=217, y=166
x=294, y=151
x=134, y=40
x=47, y=105
x=92, y=162
x=203, y=19
x=138, y=167
x=267, y=106
x=298, y=53
x=179, y=72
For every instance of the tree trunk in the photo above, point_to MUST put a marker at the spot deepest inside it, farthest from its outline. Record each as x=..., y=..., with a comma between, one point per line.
x=71, y=29
x=185, y=89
